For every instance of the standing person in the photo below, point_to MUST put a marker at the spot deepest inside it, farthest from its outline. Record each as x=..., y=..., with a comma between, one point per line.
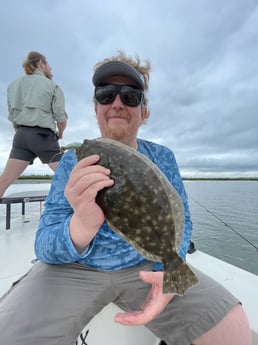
x=36, y=108
x=83, y=265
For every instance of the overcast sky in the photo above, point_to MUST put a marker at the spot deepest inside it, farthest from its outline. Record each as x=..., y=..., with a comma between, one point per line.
x=204, y=79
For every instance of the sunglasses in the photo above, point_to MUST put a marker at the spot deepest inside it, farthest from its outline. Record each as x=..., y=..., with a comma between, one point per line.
x=129, y=95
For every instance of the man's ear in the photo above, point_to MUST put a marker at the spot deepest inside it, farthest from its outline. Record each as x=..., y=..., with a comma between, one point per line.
x=41, y=64
x=145, y=114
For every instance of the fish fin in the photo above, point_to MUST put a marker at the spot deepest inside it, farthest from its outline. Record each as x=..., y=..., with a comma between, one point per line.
x=178, y=277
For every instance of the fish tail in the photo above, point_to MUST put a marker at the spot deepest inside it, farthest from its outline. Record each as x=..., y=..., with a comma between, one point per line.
x=178, y=277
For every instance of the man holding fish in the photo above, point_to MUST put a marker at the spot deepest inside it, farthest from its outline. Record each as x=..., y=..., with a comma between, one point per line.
x=84, y=264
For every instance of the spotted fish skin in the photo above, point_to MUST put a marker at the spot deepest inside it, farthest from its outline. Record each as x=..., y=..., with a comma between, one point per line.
x=143, y=208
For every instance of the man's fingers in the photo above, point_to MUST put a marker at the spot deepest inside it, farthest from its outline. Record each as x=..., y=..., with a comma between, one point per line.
x=135, y=318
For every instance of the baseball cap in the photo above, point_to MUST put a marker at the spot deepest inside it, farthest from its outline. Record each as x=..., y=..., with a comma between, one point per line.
x=112, y=68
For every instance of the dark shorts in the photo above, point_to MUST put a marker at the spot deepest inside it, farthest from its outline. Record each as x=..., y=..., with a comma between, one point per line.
x=32, y=142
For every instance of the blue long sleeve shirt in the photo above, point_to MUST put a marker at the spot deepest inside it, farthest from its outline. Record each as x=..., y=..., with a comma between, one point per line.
x=107, y=251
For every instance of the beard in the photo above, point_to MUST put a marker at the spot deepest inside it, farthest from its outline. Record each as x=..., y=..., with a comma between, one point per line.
x=118, y=130
x=121, y=129
x=117, y=133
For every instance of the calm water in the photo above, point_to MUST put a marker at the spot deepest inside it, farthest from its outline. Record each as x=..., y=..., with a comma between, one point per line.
x=225, y=218
x=222, y=212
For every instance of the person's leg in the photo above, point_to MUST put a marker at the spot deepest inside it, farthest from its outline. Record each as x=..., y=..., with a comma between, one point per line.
x=233, y=329
x=13, y=169
x=46, y=147
x=52, y=304
x=131, y=290
x=20, y=157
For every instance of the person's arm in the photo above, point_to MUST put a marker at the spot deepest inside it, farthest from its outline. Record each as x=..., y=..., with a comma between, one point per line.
x=52, y=243
x=86, y=180
x=61, y=127
x=71, y=218
x=59, y=113
x=10, y=110
x=154, y=304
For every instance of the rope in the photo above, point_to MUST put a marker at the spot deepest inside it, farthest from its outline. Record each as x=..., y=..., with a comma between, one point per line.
x=226, y=224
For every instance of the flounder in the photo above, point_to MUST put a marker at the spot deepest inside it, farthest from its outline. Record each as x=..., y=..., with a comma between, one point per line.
x=143, y=208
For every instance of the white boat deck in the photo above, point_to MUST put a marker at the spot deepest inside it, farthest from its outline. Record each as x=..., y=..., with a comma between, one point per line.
x=16, y=254
x=242, y=284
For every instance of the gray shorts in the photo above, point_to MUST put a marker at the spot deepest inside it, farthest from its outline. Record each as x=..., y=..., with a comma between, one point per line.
x=32, y=142
x=53, y=303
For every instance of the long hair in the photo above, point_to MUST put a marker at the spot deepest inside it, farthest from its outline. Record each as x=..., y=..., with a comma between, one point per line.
x=31, y=63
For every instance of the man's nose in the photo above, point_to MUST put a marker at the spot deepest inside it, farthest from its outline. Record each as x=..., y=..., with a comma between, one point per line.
x=117, y=103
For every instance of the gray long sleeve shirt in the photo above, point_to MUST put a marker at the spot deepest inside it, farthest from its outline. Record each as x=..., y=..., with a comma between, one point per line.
x=35, y=100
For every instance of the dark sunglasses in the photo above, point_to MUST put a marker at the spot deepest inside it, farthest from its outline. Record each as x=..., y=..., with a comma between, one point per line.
x=129, y=95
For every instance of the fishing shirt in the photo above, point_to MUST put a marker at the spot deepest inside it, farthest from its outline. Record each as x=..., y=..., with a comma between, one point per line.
x=107, y=250
x=34, y=100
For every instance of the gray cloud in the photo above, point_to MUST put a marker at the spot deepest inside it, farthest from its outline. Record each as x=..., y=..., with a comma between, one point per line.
x=204, y=80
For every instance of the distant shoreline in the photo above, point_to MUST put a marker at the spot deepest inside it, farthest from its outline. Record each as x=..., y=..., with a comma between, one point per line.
x=32, y=180
x=220, y=178
x=48, y=178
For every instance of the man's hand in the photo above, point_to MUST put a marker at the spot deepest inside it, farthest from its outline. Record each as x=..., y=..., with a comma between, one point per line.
x=61, y=127
x=155, y=303
x=85, y=181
